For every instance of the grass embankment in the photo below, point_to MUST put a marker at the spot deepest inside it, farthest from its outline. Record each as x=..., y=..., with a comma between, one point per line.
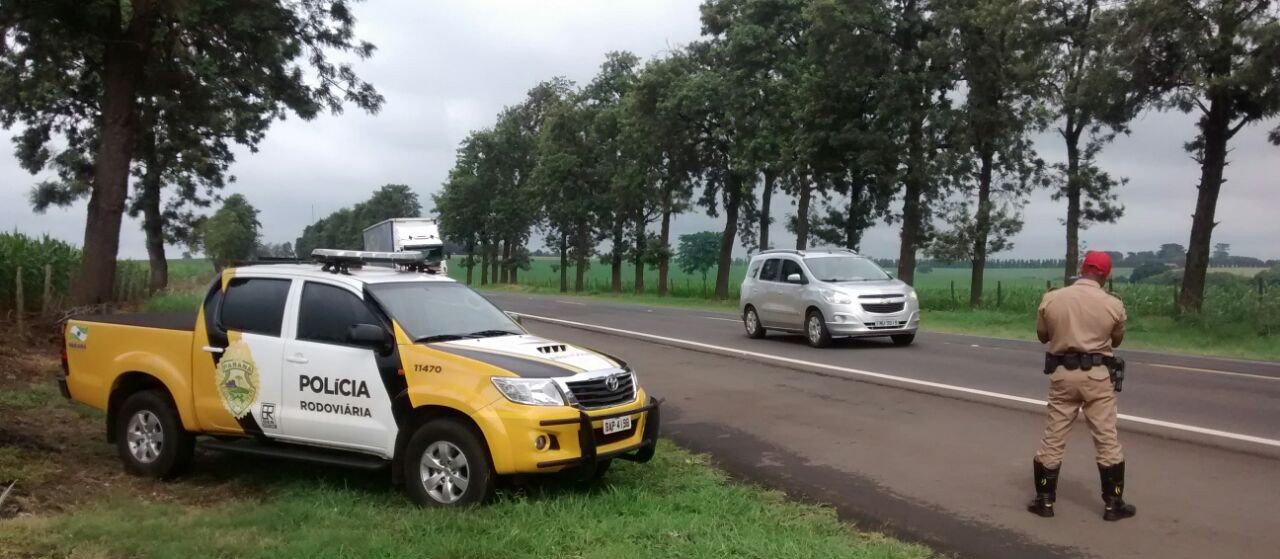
x=73, y=500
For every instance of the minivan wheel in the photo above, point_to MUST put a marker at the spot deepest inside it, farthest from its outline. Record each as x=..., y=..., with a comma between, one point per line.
x=903, y=339
x=751, y=321
x=446, y=464
x=815, y=328
x=150, y=438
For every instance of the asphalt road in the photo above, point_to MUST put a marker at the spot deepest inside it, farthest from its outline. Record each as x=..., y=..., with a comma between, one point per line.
x=933, y=442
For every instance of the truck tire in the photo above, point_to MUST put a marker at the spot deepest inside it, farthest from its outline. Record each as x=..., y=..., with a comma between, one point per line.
x=446, y=464
x=150, y=437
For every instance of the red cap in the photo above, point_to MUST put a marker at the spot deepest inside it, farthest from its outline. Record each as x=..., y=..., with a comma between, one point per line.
x=1100, y=262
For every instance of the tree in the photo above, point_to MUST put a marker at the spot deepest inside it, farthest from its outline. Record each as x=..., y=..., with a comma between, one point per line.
x=698, y=253
x=1173, y=253
x=231, y=234
x=1221, y=251
x=1001, y=57
x=344, y=229
x=1094, y=99
x=917, y=100
x=1221, y=60
x=463, y=203
x=83, y=74
x=658, y=121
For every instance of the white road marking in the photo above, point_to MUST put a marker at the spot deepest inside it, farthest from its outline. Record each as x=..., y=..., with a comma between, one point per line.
x=721, y=318
x=1208, y=371
x=579, y=303
x=904, y=380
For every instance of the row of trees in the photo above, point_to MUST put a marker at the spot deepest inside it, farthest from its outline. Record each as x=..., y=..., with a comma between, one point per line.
x=156, y=94
x=918, y=112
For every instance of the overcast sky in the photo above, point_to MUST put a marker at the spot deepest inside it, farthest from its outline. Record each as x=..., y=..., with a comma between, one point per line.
x=446, y=68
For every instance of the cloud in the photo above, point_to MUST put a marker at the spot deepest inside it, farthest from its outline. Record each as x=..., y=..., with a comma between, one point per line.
x=447, y=68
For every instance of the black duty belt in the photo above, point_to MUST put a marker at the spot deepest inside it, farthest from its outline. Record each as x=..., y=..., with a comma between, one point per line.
x=1072, y=361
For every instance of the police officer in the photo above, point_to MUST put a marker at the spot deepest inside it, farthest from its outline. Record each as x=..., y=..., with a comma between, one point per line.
x=1081, y=324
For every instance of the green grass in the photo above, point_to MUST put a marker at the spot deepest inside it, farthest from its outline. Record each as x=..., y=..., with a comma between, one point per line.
x=675, y=506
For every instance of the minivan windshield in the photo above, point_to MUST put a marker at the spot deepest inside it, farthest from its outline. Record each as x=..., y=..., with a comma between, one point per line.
x=844, y=268
x=442, y=311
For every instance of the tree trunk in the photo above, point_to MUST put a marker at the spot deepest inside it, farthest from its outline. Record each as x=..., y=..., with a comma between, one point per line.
x=640, y=226
x=1215, y=128
x=122, y=65
x=982, y=228
x=802, y=213
x=732, y=201
x=1073, y=203
x=615, y=257
x=504, y=263
x=664, y=261
x=765, y=199
x=580, y=269
x=152, y=219
x=852, y=227
x=471, y=260
x=495, y=261
x=912, y=205
x=484, y=264
x=564, y=263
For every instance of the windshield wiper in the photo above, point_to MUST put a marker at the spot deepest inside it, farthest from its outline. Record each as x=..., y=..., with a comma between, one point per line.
x=492, y=333
x=443, y=338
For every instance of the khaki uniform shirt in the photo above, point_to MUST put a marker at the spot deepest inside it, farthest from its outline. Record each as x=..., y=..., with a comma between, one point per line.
x=1082, y=318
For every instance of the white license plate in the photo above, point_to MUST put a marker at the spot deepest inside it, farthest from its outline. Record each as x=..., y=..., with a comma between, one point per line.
x=886, y=323
x=617, y=424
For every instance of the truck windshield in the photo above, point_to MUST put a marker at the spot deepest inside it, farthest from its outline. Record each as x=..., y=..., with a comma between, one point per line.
x=844, y=268
x=438, y=312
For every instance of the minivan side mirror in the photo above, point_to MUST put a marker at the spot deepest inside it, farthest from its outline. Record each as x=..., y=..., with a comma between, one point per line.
x=795, y=278
x=371, y=336
x=516, y=317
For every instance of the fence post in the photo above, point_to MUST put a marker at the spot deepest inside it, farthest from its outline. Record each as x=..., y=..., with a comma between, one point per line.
x=1111, y=285
x=48, y=290
x=17, y=288
x=999, y=294
x=1048, y=285
x=953, y=292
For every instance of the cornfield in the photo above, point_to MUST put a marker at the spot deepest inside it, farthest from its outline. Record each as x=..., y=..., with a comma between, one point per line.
x=32, y=254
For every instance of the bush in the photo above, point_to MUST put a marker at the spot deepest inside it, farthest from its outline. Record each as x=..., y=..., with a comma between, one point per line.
x=1147, y=270
x=32, y=254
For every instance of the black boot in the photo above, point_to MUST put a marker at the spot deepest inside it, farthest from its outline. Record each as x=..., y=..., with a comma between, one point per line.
x=1046, y=490
x=1113, y=493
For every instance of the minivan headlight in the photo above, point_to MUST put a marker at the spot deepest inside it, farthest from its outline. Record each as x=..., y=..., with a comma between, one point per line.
x=530, y=391
x=911, y=294
x=835, y=297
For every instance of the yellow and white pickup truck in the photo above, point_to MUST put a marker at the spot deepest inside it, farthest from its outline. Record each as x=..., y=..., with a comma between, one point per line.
x=360, y=366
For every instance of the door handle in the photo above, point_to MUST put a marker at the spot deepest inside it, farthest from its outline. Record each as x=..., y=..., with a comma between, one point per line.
x=297, y=358
x=212, y=349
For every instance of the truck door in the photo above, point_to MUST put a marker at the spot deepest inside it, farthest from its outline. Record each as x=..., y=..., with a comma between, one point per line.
x=236, y=371
x=334, y=391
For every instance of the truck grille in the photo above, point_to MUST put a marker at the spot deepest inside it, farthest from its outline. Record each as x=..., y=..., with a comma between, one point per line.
x=884, y=308
x=595, y=393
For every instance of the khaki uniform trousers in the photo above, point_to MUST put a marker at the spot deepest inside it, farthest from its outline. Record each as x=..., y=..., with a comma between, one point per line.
x=1069, y=392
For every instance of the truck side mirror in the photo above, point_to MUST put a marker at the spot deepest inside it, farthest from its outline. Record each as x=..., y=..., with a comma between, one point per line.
x=515, y=317
x=371, y=336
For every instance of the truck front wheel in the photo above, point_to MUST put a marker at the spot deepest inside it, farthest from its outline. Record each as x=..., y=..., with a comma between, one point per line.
x=446, y=464
x=150, y=437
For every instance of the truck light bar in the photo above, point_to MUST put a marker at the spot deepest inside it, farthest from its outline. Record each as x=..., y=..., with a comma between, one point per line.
x=339, y=261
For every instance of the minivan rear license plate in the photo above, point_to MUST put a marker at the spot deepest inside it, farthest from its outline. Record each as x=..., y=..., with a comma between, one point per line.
x=617, y=424
x=886, y=323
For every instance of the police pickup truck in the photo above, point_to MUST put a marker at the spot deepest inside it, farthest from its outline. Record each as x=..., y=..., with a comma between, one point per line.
x=368, y=367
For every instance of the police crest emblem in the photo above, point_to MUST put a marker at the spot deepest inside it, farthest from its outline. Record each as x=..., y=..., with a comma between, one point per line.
x=237, y=379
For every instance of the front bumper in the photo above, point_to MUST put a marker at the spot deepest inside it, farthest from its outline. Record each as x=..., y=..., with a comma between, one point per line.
x=856, y=323
x=573, y=442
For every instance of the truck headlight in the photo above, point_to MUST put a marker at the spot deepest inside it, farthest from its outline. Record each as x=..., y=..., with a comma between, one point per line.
x=836, y=297
x=530, y=391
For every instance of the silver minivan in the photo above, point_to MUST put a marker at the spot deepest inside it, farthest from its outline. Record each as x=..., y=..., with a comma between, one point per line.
x=826, y=293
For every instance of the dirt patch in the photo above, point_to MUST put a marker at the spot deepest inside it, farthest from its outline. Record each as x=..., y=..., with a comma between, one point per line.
x=56, y=450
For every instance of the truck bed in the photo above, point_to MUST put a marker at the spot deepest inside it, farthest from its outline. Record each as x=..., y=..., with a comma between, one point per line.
x=183, y=320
